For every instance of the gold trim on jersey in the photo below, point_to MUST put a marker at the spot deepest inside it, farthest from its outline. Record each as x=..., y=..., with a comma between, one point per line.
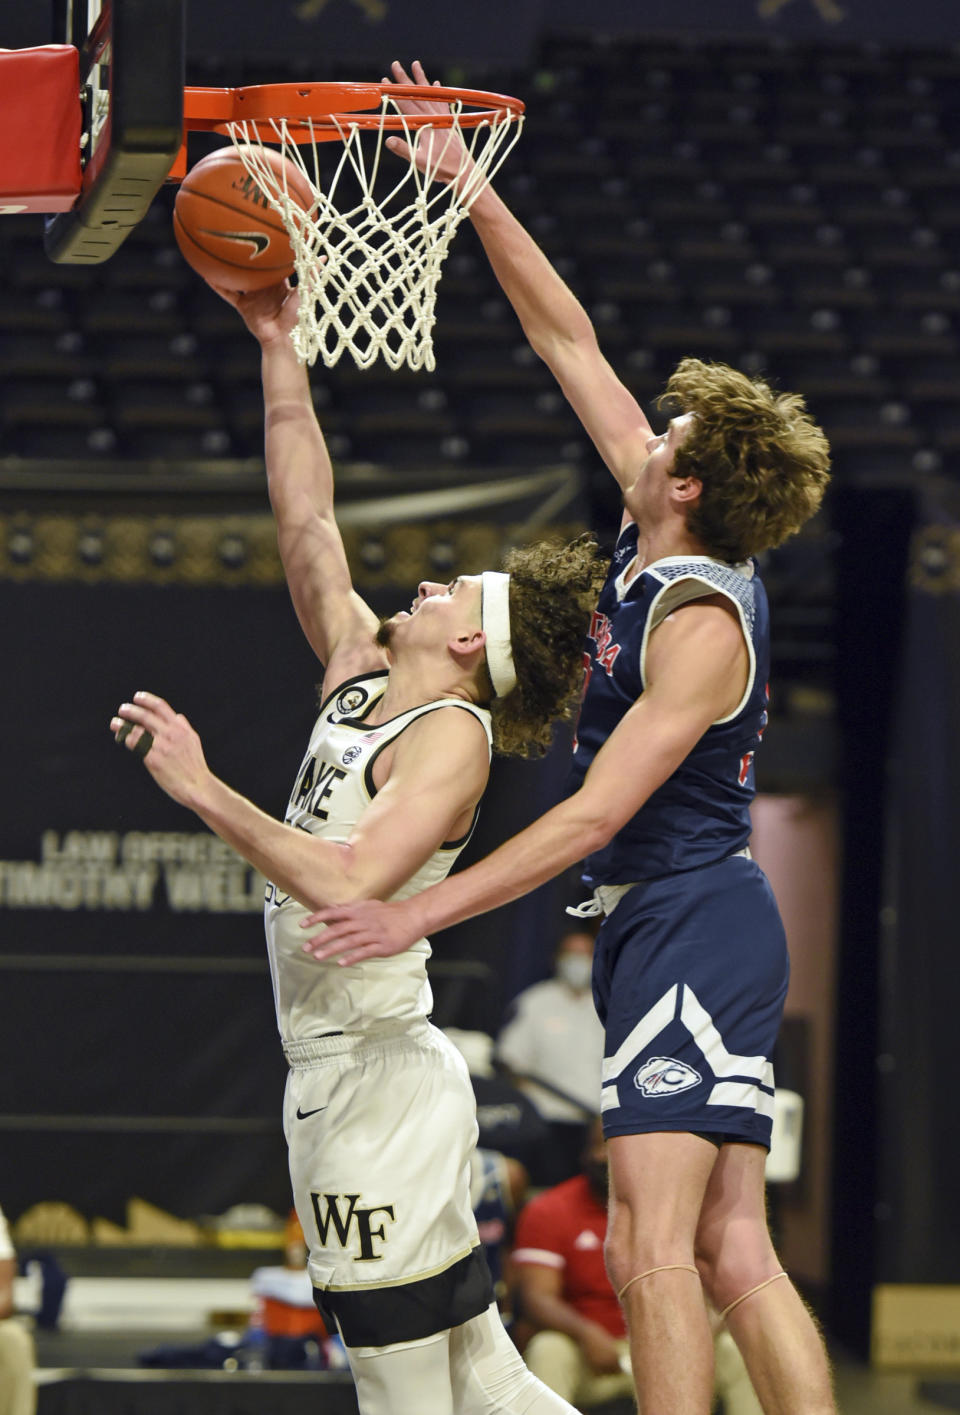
x=398, y=1281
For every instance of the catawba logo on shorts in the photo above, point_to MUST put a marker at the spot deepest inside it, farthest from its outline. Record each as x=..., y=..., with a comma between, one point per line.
x=665, y=1076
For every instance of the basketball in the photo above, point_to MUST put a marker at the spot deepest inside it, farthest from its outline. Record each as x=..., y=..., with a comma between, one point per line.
x=225, y=226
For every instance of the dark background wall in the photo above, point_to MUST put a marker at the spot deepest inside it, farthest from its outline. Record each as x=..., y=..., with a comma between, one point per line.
x=502, y=32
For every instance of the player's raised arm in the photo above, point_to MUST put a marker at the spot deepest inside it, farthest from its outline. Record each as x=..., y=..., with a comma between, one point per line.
x=560, y=331
x=556, y=325
x=300, y=479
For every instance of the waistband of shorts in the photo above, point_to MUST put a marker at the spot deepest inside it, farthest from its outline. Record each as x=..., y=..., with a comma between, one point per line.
x=608, y=896
x=310, y=1050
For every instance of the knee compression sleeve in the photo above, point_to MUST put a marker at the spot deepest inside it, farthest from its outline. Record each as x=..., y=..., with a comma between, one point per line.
x=488, y=1374
x=409, y=1378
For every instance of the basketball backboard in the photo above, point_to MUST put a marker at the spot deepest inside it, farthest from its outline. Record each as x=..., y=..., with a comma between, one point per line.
x=130, y=102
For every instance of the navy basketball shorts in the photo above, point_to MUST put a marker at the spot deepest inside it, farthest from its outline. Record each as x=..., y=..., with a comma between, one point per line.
x=690, y=976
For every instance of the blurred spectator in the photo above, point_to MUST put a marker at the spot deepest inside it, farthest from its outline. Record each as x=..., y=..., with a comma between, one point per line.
x=285, y=1331
x=509, y=1123
x=552, y=1046
x=498, y=1186
x=578, y=1346
x=17, y=1390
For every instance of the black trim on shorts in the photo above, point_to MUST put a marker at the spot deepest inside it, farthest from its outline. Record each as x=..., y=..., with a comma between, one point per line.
x=410, y=1311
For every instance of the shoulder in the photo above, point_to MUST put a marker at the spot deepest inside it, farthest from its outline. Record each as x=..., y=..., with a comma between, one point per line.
x=685, y=579
x=704, y=635
x=708, y=614
x=447, y=729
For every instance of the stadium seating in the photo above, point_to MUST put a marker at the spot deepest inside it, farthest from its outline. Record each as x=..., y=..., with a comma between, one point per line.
x=794, y=211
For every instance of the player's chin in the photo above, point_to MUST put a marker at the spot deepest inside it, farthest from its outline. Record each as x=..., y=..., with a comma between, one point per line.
x=384, y=636
x=387, y=629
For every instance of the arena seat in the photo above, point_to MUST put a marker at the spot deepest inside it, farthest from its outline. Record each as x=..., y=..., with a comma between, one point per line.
x=791, y=207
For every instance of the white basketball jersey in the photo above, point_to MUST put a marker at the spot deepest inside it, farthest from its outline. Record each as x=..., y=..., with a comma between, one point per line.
x=333, y=788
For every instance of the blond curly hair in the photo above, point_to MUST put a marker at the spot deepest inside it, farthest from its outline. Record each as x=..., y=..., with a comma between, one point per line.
x=762, y=461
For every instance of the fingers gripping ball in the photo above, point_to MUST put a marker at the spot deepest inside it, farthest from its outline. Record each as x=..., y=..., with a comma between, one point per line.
x=143, y=743
x=225, y=227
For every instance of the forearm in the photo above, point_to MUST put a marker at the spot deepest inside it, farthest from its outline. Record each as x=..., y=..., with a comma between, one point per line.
x=299, y=474
x=549, y=312
x=315, y=872
x=546, y=848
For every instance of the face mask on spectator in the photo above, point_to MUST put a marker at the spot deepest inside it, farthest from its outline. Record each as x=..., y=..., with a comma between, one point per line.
x=575, y=970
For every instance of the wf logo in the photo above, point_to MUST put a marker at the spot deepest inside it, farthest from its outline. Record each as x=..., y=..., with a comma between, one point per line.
x=350, y=1223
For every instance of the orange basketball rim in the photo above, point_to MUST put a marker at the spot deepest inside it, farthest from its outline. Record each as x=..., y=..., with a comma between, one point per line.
x=323, y=112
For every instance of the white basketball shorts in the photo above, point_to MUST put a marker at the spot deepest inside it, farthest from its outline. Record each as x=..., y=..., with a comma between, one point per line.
x=380, y=1127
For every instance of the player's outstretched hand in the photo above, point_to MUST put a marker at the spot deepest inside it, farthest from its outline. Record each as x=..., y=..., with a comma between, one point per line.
x=440, y=150
x=170, y=748
x=372, y=928
x=268, y=314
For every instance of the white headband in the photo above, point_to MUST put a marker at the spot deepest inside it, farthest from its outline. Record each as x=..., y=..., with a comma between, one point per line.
x=495, y=618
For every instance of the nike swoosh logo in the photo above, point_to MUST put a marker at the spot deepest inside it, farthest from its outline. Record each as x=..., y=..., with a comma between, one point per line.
x=305, y=1114
x=257, y=239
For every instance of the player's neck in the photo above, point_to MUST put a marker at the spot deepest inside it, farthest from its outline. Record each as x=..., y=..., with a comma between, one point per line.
x=660, y=542
x=412, y=683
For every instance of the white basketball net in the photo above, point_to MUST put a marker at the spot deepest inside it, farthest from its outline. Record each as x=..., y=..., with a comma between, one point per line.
x=368, y=265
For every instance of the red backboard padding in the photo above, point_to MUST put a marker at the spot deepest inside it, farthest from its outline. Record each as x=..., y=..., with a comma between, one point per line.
x=41, y=121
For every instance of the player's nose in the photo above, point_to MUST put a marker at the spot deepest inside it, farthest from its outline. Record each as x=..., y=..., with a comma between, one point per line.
x=426, y=588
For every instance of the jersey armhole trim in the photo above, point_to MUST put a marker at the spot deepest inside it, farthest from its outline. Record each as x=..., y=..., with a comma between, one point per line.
x=475, y=712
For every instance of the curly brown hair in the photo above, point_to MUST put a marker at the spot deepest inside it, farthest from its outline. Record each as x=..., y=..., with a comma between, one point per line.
x=553, y=589
x=762, y=461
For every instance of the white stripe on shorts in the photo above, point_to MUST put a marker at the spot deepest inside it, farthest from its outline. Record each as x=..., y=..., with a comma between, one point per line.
x=742, y=1093
x=661, y=1014
x=699, y=1024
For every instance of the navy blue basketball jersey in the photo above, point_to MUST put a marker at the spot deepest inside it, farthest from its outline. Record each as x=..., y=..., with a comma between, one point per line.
x=701, y=813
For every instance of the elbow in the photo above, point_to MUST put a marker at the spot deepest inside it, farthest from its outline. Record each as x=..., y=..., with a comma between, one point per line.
x=353, y=882
x=560, y=347
x=594, y=827
x=598, y=836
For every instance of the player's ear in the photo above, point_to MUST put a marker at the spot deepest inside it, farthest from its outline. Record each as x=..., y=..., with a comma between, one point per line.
x=686, y=489
x=466, y=645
